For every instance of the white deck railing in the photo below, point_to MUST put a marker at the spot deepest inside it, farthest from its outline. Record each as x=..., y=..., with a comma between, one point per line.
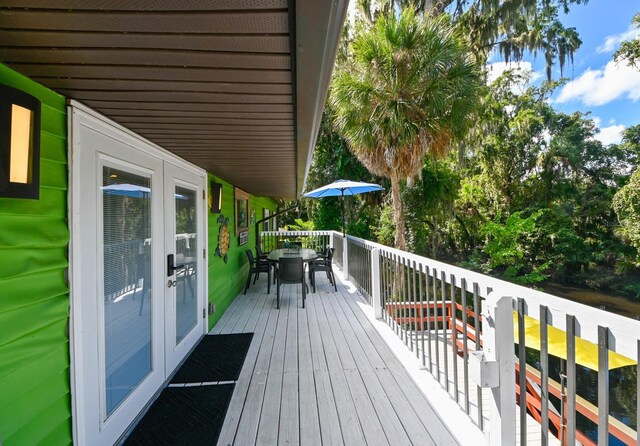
x=460, y=325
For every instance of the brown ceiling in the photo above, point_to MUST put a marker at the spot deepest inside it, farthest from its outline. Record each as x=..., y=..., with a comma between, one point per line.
x=214, y=82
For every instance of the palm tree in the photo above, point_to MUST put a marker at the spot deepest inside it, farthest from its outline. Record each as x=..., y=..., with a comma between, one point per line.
x=409, y=89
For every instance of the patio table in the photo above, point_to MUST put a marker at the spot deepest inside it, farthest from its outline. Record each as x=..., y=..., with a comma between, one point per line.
x=307, y=254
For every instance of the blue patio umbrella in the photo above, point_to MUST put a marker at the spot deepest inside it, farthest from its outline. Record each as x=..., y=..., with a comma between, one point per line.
x=133, y=190
x=341, y=188
x=127, y=190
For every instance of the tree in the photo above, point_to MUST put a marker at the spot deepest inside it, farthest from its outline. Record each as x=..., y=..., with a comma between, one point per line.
x=430, y=209
x=511, y=27
x=630, y=50
x=626, y=204
x=524, y=156
x=410, y=88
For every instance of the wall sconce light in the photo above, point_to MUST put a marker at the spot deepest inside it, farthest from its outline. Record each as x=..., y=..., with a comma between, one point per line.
x=19, y=144
x=215, y=197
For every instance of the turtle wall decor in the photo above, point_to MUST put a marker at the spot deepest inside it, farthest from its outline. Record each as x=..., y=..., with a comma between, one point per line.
x=224, y=238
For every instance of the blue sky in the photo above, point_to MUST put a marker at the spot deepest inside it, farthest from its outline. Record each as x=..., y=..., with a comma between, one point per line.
x=610, y=91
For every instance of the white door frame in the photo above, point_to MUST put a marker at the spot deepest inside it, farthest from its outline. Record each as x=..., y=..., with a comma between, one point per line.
x=175, y=176
x=79, y=117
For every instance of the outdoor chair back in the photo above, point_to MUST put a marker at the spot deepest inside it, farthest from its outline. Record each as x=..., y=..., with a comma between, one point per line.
x=252, y=260
x=330, y=252
x=256, y=266
x=323, y=264
x=259, y=252
x=291, y=270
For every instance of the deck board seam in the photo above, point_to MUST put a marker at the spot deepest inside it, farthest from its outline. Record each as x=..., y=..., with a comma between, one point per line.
x=395, y=367
x=340, y=326
x=376, y=372
x=245, y=376
x=263, y=326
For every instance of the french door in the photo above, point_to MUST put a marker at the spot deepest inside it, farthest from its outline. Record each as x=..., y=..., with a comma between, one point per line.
x=184, y=315
x=137, y=273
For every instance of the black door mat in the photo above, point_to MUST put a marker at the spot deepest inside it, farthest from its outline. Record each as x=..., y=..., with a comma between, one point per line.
x=190, y=416
x=216, y=358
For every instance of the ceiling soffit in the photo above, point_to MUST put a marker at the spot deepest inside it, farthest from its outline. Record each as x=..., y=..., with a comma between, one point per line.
x=234, y=86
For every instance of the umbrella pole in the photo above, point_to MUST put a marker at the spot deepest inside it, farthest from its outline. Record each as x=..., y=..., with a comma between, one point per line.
x=343, y=224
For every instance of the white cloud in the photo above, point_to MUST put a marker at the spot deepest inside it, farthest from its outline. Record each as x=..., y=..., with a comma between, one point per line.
x=608, y=135
x=599, y=87
x=495, y=69
x=611, y=43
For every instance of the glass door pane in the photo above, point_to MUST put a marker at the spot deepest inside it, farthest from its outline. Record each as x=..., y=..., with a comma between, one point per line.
x=126, y=222
x=186, y=245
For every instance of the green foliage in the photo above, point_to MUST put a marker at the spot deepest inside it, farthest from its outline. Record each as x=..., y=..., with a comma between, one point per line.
x=630, y=49
x=505, y=241
x=527, y=157
x=430, y=209
x=632, y=290
x=326, y=213
x=532, y=249
x=626, y=204
x=385, y=230
x=629, y=149
x=556, y=244
x=362, y=222
x=288, y=218
x=301, y=225
x=536, y=274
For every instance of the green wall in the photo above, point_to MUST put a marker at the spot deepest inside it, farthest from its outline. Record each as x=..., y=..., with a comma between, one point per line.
x=35, y=401
x=226, y=280
x=35, y=405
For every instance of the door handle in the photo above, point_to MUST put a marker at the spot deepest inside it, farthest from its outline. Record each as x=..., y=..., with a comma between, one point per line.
x=171, y=266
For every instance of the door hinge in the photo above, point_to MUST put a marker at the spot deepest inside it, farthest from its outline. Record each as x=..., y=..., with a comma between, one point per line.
x=204, y=313
x=203, y=197
x=204, y=253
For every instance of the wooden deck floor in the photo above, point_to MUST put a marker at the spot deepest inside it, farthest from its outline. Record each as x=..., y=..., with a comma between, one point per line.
x=321, y=375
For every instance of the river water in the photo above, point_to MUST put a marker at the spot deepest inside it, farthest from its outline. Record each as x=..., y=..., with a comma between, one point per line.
x=605, y=301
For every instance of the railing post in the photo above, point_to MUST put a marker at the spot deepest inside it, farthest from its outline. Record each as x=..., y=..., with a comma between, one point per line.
x=345, y=258
x=376, y=290
x=497, y=327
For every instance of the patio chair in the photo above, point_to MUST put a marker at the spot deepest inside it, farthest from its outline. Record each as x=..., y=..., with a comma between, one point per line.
x=257, y=266
x=323, y=264
x=263, y=258
x=291, y=270
x=260, y=254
